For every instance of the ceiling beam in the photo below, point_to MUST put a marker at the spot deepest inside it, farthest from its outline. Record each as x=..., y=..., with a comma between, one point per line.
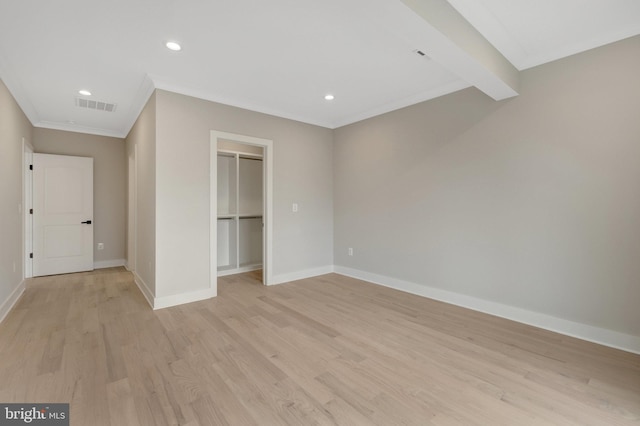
x=451, y=41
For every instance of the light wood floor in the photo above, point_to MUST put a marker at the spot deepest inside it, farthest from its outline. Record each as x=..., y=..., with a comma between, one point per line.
x=328, y=350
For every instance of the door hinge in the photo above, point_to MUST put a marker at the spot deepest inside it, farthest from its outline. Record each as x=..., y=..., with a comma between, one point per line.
x=30, y=166
x=30, y=255
x=30, y=211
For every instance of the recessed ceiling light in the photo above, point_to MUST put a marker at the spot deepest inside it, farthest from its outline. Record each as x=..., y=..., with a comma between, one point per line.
x=84, y=92
x=172, y=45
x=329, y=97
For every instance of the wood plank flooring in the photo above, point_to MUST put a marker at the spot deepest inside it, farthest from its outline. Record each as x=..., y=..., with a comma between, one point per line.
x=322, y=351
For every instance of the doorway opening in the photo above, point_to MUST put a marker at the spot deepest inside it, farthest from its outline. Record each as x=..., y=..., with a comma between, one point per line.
x=241, y=227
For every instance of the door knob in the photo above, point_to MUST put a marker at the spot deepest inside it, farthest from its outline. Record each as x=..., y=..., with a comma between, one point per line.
x=88, y=222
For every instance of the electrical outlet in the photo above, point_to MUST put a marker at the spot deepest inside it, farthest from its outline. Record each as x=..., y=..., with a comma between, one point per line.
x=350, y=251
x=100, y=246
x=294, y=208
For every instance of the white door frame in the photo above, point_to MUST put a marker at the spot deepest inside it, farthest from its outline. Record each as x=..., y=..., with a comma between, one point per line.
x=132, y=211
x=267, y=240
x=27, y=205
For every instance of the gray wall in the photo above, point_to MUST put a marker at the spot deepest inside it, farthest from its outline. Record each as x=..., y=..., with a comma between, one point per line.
x=532, y=202
x=302, y=173
x=14, y=126
x=141, y=145
x=109, y=184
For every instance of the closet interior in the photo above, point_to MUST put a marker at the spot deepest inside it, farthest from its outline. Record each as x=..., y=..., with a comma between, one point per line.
x=240, y=207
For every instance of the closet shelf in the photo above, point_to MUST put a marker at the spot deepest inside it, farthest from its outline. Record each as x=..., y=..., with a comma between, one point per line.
x=250, y=265
x=239, y=216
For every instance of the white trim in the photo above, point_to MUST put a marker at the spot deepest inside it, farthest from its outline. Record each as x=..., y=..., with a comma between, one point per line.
x=27, y=204
x=182, y=298
x=452, y=87
x=614, y=339
x=443, y=90
x=301, y=275
x=267, y=161
x=495, y=32
x=11, y=300
x=144, y=289
x=138, y=103
x=562, y=52
x=76, y=128
x=132, y=208
x=173, y=300
x=250, y=106
x=10, y=79
x=112, y=263
x=140, y=99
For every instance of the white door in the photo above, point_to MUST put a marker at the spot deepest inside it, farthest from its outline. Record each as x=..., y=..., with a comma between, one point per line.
x=62, y=214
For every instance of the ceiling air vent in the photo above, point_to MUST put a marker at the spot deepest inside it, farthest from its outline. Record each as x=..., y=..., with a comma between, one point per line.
x=97, y=105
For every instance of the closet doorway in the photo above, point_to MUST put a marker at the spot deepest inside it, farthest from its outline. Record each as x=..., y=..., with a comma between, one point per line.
x=241, y=208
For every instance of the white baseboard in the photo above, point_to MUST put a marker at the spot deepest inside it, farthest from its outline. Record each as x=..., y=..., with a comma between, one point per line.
x=173, y=300
x=179, y=299
x=13, y=298
x=144, y=289
x=239, y=270
x=614, y=339
x=300, y=275
x=112, y=263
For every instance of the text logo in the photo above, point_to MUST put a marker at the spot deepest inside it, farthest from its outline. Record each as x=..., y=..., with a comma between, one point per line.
x=34, y=414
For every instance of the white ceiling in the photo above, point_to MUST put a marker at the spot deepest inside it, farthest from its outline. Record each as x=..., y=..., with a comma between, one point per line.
x=534, y=32
x=279, y=56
